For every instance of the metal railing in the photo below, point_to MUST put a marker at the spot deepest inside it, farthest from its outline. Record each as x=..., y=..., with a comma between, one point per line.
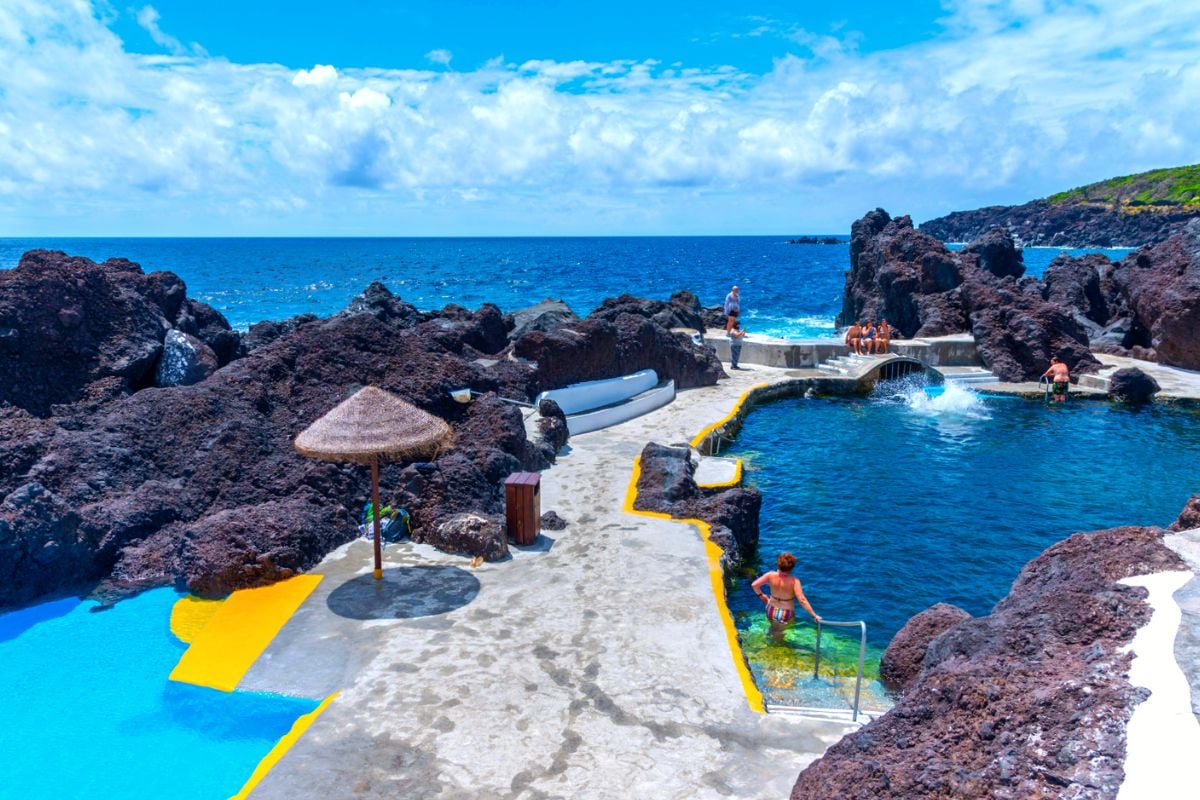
x=1044, y=382
x=862, y=653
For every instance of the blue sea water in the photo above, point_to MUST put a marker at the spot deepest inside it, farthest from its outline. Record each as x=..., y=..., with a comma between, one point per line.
x=787, y=290
x=914, y=496
x=88, y=711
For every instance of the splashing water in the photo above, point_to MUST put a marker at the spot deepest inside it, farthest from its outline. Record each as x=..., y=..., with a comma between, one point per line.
x=949, y=400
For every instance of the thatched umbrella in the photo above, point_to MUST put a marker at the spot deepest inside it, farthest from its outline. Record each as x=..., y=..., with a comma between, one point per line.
x=370, y=425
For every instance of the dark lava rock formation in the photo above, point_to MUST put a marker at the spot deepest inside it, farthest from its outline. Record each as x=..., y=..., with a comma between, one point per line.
x=1190, y=516
x=924, y=289
x=72, y=329
x=1045, y=224
x=624, y=335
x=667, y=484
x=1029, y=701
x=1131, y=385
x=905, y=654
x=105, y=477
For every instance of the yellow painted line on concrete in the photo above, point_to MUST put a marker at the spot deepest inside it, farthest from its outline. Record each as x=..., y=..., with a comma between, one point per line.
x=190, y=614
x=281, y=747
x=240, y=631
x=699, y=438
x=734, y=481
x=716, y=577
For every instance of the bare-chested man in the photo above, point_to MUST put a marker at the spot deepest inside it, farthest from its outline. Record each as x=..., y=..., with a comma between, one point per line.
x=1061, y=376
x=854, y=338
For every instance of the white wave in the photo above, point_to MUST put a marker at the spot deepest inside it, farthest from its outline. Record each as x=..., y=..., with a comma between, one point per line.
x=954, y=399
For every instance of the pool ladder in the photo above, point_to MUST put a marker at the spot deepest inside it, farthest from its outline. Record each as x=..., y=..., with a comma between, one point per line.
x=862, y=654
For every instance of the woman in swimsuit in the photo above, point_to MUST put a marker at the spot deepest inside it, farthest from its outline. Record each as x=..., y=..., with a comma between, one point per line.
x=785, y=591
x=885, y=336
x=869, y=337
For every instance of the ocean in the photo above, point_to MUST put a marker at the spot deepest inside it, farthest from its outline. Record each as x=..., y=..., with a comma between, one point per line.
x=787, y=290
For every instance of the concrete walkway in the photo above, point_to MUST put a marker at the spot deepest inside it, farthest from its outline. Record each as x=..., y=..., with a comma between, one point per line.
x=591, y=665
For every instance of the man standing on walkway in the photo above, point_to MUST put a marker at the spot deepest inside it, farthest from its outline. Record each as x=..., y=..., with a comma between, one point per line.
x=733, y=307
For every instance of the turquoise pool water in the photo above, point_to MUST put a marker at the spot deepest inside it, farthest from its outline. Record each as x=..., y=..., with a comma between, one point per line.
x=88, y=711
x=913, y=496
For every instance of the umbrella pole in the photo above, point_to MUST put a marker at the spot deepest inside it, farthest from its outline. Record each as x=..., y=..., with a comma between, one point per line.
x=375, y=517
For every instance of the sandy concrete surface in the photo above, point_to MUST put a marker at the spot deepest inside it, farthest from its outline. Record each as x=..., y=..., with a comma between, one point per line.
x=591, y=664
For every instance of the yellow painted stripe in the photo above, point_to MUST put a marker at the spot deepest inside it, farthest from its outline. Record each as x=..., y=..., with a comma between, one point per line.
x=281, y=747
x=716, y=578
x=734, y=481
x=699, y=438
x=190, y=614
x=240, y=631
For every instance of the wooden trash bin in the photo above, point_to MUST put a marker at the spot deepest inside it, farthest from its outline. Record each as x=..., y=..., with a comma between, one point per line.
x=523, y=506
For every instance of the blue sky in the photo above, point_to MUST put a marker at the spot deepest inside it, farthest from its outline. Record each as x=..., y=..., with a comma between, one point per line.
x=356, y=33
x=558, y=118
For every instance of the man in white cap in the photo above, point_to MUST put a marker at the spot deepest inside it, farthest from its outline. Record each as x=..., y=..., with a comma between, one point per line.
x=733, y=308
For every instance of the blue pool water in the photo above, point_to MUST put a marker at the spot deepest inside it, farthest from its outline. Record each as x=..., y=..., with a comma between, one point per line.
x=89, y=713
x=912, y=496
x=787, y=290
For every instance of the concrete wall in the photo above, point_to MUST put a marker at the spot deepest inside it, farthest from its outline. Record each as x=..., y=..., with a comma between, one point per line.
x=944, y=351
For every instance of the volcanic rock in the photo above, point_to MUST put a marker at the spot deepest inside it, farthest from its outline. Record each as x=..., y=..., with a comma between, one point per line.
x=265, y=332
x=1045, y=224
x=995, y=252
x=1190, y=517
x=905, y=654
x=1131, y=385
x=923, y=289
x=599, y=348
x=1029, y=701
x=682, y=310
x=184, y=360
x=209, y=326
x=1160, y=284
x=543, y=316
x=667, y=484
x=471, y=535
x=553, y=522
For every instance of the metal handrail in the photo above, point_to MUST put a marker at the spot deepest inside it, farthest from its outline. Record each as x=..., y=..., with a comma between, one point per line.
x=862, y=653
x=1045, y=382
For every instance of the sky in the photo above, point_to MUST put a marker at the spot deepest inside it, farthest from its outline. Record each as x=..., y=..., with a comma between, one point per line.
x=547, y=117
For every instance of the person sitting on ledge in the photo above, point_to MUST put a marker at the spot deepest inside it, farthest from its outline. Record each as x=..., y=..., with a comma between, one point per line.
x=869, y=337
x=1061, y=375
x=736, y=336
x=883, y=337
x=785, y=591
x=854, y=338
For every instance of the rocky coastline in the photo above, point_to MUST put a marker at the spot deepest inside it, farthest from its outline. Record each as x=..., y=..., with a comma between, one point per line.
x=1042, y=223
x=1147, y=305
x=145, y=443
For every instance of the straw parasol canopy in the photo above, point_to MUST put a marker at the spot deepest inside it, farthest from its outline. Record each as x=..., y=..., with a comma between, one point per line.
x=373, y=423
x=368, y=426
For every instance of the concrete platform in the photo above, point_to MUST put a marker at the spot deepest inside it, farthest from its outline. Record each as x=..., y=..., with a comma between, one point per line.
x=591, y=664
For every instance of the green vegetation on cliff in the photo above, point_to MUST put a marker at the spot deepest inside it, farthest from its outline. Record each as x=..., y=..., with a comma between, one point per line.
x=1174, y=188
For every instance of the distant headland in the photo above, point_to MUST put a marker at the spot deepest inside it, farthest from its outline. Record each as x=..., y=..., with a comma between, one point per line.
x=1128, y=211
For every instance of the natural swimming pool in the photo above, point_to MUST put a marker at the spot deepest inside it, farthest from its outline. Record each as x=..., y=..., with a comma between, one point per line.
x=915, y=495
x=89, y=712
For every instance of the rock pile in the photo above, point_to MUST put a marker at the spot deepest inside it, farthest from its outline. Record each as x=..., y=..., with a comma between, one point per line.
x=143, y=443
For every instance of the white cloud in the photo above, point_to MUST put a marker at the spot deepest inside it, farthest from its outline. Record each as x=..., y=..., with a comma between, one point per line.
x=148, y=17
x=1013, y=102
x=439, y=56
x=320, y=75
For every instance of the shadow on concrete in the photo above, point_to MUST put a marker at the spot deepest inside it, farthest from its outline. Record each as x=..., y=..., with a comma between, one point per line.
x=541, y=544
x=404, y=593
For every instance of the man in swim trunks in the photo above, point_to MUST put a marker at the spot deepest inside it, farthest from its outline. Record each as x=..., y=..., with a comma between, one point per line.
x=1061, y=375
x=733, y=307
x=785, y=591
x=854, y=338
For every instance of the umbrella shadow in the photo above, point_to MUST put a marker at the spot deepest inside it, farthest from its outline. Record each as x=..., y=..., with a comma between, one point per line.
x=404, y=593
